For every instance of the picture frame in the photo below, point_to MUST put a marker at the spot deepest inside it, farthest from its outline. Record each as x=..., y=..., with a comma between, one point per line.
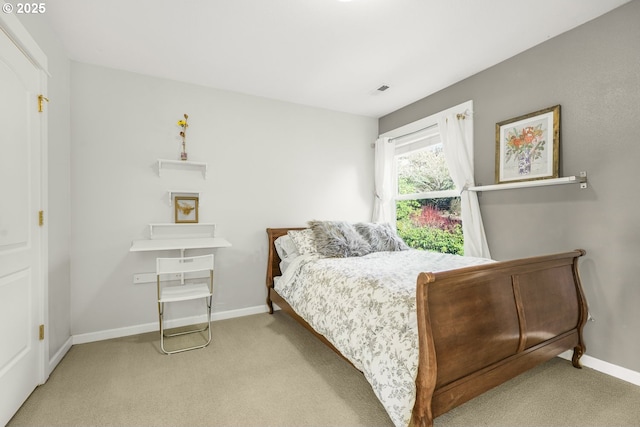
x=528, y=146
x=186, y=209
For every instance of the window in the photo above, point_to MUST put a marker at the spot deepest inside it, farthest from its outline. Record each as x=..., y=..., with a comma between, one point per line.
x=427, y=202
x=431, y=208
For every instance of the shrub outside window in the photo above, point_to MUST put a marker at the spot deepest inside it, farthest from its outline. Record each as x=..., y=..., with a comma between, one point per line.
x=428, y=215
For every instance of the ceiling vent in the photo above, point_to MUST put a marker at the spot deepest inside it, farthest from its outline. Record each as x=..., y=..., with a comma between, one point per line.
x=383, y=88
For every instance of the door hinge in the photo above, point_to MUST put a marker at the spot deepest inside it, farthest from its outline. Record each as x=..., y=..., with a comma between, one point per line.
x=40, y=218
x=41, y=333
x=40, y=99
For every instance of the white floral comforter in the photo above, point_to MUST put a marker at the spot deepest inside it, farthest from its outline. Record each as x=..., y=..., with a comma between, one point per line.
x=366, y=307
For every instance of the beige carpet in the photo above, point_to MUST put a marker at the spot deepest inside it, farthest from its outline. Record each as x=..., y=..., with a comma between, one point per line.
x=266, y=370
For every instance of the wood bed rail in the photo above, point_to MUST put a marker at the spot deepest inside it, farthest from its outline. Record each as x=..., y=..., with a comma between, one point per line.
x=489, y=323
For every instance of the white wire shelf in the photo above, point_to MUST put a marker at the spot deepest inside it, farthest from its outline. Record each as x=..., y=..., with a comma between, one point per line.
x=575, y=179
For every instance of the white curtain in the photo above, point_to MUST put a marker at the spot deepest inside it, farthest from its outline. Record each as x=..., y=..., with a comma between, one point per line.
x=457, y=140
x=384, y=204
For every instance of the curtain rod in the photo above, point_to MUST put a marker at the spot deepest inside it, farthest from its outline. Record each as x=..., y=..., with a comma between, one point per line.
x=460, y=116
x=415, y=131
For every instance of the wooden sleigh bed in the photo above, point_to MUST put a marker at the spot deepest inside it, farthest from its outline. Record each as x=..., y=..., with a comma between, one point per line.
x=533, y=309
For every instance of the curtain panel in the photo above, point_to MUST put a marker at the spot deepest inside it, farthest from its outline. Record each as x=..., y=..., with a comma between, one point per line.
x=456, y=132
x=384, y=204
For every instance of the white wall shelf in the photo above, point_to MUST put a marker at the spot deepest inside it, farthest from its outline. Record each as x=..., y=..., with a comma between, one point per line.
x=581, y=179
x=181, y=244
x=181, y=231
x=190, y=193
x=182, y=165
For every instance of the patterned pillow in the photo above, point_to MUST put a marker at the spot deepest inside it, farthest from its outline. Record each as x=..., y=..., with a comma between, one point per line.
x=338, y=239
x=304, y=241
x=381, y=237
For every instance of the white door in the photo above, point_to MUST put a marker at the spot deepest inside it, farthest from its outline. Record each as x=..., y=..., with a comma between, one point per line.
x=21, y=283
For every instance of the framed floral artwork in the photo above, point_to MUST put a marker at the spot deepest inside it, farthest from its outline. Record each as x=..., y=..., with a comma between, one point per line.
x=186, y=209
x=528, y=147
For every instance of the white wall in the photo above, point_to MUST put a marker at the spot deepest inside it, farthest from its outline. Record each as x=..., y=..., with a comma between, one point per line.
x=270, y=164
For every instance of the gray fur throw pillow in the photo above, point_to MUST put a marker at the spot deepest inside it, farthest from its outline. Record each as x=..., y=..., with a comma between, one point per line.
x=381, y=237
x=338, y=239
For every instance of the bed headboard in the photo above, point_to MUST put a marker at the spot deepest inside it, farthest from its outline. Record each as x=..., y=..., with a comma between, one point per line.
x=273, y=262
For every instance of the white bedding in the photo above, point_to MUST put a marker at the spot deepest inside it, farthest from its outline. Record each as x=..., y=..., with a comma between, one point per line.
x=366, y=307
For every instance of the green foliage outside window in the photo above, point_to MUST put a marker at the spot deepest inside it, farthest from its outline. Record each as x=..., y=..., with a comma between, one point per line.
x=431, y=237
x=428, y=224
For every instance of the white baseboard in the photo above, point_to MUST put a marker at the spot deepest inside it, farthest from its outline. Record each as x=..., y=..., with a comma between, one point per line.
x=53, y=361
x=151, y=327
x=606, y=368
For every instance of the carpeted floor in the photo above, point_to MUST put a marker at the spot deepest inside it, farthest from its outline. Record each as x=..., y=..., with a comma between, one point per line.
x=266, y=370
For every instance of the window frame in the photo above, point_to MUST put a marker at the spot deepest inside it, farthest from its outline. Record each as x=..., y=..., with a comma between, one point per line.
x=421, y=134
x=414, y=128
x=442, y=194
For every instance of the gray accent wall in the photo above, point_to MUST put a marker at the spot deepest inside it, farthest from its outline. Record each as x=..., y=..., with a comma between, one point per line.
x=593, y=72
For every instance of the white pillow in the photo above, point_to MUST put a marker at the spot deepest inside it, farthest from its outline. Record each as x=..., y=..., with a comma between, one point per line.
x=285, y=247
x=285, y=262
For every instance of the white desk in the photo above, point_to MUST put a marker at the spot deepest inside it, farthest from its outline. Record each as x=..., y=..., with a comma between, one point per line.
x=182, y=244
x=145, y=245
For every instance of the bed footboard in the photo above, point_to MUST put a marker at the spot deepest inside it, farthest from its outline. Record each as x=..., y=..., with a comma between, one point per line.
x=481, y=326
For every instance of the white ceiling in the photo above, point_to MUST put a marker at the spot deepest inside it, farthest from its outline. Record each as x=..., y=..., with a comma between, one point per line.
x=324, y=53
